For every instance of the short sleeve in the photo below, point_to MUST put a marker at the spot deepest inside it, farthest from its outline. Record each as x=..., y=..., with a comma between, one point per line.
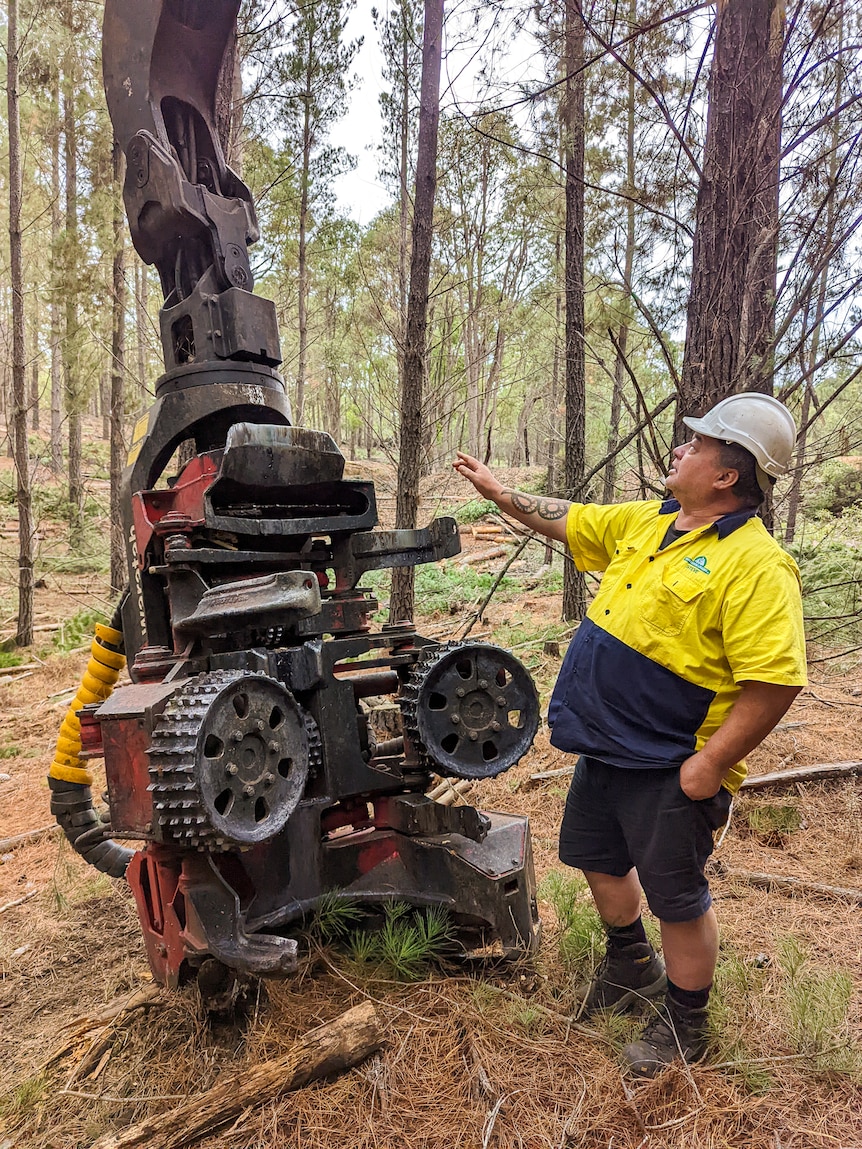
x=593, y=531
x=763, y=629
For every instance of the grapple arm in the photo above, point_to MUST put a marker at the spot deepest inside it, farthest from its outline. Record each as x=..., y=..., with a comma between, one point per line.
x=189, y=214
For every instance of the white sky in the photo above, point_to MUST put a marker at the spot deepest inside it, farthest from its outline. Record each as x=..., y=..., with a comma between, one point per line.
x=360, y=193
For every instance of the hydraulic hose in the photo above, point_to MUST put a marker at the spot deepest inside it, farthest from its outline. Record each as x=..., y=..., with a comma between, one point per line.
x=68, y=779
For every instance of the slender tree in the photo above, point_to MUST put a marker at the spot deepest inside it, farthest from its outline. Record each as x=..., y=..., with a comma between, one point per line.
x=415, y=349
x=118, y=371
x=574, y=587
x=24, y=634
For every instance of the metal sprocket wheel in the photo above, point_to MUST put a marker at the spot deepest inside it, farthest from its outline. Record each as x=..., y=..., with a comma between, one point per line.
x=229, y=760
x=471, y=709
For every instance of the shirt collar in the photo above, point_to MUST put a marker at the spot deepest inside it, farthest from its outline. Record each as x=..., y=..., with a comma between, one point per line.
x=724, y=526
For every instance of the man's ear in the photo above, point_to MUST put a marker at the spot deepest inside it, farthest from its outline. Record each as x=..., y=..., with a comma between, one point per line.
x=726, y=479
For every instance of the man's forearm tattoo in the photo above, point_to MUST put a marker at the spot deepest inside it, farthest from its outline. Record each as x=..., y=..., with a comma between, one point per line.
x=535, y=505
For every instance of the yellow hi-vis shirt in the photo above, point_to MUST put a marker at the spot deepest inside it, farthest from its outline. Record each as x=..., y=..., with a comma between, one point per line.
x=657, y=664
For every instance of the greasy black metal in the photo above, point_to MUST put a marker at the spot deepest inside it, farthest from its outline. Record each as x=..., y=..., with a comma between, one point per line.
x=285, y=597
x=72, y=806
x=245, y=599
x=471, y=709
x=229, y=761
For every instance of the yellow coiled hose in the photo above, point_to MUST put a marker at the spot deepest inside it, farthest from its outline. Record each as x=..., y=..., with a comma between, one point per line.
x=69, y=780
x=99, y=680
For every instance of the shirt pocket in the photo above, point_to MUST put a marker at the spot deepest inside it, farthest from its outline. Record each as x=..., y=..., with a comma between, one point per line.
x=675, y=599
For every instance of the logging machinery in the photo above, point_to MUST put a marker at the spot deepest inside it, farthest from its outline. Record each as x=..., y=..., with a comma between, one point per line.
x=272, y=748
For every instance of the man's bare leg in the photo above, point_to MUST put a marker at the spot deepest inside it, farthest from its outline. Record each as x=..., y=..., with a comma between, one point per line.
x=618, y=900
x=691, y=951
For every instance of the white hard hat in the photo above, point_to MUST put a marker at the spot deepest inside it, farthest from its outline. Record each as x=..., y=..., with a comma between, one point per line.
x=757, y=422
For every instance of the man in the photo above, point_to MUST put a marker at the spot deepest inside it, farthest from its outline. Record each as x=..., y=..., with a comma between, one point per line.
x=691, y=652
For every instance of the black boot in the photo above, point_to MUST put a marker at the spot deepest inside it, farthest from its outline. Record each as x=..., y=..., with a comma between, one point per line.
x=674, y=1032
x=625, y=976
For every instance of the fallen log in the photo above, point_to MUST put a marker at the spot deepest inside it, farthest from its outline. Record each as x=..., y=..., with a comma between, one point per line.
x=330, y=1048
x=790, y=885
x=483, y=556
x=7, y=844
x=802, y=774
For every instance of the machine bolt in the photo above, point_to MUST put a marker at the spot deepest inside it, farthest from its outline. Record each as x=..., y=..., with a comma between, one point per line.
x=495, y=726
x=259, y=725
x=236, y=736
x=501, y=701
x=456, y=718
x=273, y=747
x=460, y=692
x=248, y=791
x=483, y=683
x=268, y=779
x=474, y=735
x=232, y=769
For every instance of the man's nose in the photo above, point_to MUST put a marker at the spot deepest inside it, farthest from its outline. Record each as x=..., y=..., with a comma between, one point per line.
x=679, y=451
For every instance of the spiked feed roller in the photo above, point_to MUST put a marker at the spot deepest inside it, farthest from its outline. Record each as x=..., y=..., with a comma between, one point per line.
x=271, y=748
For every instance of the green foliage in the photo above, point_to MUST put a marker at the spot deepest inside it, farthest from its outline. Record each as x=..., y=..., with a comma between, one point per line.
x=11, y=751
x=773, y=823
x=7, y=658
x=474, y=510
x=444, y=589
x=406, y=943
x=816, y=1005
x=25, y=1098
x=581, y=931
x=734, y=988
x=77, y=631
x=334, y=917
x=840, y=487
x=831, y=590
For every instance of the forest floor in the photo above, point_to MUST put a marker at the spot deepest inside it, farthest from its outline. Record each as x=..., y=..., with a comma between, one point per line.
x=486, y=1058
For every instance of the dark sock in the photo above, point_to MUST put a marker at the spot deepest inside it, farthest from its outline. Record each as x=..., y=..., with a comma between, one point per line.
x=620, y=936
x=688, y=998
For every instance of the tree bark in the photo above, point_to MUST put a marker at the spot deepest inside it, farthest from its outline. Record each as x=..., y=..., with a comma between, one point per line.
x=71, y=341
x=574, y=584
x=24, y=635
x=118, y=372
x=331, y=1048
x=415, y=350
x=609, y=479
x=731, y=309
x=56, y=324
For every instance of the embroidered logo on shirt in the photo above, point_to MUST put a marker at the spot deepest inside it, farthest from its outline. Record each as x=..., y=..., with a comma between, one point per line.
x=698, y=564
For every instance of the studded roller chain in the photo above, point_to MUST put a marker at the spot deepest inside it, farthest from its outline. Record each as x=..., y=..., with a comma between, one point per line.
x=179, y=805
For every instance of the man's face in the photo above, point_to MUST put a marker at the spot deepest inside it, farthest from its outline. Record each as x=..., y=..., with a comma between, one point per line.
x=695, y=467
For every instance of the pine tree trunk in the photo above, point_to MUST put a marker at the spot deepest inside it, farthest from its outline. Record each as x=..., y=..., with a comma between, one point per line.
x=56, y=323
x=305, y=181
x=415, y=356
x=574, y=585
x=118, y=371
x=35, y=398
x=71, y=339
x=609, y=479
x=24, y=634
x=731, y=310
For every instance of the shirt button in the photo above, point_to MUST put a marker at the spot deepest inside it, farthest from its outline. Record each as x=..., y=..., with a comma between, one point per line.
x=628, y=586
x=607, y=612
x=652, y=558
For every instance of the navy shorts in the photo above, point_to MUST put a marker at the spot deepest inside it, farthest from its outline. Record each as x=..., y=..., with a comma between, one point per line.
x=619, y=818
